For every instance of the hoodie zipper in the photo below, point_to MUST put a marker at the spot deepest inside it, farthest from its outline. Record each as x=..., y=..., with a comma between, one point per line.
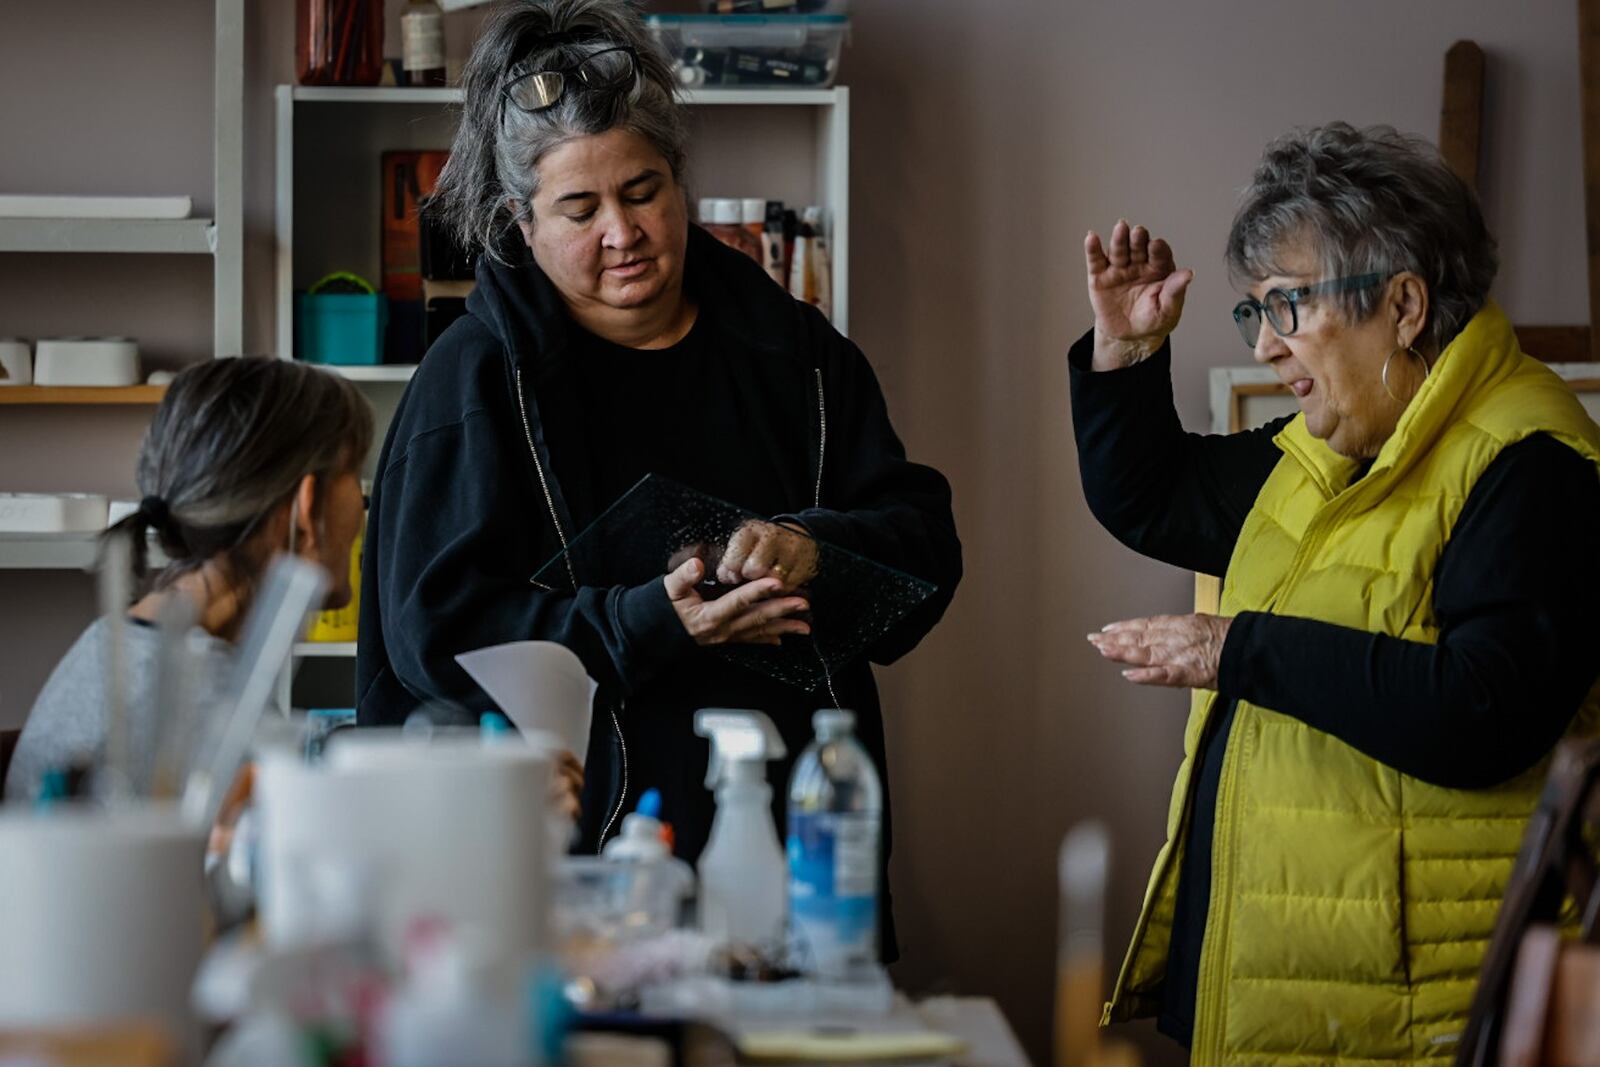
x=816, y=502
x=822, y=438
x=555, y=518
x=566, y=555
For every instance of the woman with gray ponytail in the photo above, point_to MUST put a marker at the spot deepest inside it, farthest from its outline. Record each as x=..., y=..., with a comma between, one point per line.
x=246, y=458
x=608, y=339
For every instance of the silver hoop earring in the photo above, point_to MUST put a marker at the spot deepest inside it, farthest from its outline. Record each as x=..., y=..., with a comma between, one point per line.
x=1384, y=375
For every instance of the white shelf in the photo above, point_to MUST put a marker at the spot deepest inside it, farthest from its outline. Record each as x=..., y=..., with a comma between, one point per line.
x=47, y=552
x=325, y=650
x=77, y=551
x=335, y=94
x=362, y=94
x=766, y=97
x=221, y=237
x=182, y=236
x=382, y=372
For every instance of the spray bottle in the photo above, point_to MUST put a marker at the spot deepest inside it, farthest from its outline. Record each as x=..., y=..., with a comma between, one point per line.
x=742, y=870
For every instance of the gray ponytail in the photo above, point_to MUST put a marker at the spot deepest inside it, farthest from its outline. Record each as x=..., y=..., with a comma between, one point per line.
x=230, y=442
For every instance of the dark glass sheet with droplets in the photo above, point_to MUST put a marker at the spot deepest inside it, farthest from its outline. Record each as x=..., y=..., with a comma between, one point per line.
x=659, y=524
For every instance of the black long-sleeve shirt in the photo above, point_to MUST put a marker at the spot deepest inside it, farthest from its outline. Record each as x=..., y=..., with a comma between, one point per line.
x=1514, y=589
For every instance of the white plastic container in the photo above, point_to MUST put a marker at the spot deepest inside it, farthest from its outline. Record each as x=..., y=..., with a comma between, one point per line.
x=452, y=1011
x=52, y=513
x=86, y=361
x=16, y=362
x=640, y=840
x=742, y=870
x=105, y=919
x=753, y=51
x=456, y=831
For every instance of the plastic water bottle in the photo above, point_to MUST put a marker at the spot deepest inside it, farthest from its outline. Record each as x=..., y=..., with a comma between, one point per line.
x=835, y=840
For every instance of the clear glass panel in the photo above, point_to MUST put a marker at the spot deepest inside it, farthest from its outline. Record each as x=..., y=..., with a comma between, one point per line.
x=659, y=523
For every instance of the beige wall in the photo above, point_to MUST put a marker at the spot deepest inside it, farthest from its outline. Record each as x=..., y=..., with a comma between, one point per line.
x=988, y=138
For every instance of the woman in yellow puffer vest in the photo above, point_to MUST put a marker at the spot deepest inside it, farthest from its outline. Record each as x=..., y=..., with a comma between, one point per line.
x=1408, y=620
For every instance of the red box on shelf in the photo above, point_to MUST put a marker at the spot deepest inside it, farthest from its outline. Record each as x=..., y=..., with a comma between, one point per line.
x=408, y=178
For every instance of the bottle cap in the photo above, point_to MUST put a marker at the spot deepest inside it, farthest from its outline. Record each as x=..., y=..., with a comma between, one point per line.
x=833, y=722
x=753, y=210
x=725, y=212
x=707, y=209
x=650, y=804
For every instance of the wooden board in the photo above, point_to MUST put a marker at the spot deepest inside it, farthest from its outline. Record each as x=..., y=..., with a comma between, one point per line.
x=46, y=394
x=1589, y=87
x=1555, y=344
x=1461, y=110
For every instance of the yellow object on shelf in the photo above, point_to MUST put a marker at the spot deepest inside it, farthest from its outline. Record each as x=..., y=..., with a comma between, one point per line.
x=340, y=624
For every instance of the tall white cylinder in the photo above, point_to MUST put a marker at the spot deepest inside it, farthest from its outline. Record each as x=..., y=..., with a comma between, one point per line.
x=105, y=918
x=454, y=831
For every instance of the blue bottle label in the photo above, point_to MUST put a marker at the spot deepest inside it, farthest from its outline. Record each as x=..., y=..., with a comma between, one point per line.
x=833, y=890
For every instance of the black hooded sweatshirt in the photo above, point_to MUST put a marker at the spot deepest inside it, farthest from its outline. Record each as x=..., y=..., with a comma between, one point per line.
x=484, y=474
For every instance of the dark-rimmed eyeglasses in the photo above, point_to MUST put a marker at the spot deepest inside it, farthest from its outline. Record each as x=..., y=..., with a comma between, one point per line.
x=1280, y=307
x=535, y=90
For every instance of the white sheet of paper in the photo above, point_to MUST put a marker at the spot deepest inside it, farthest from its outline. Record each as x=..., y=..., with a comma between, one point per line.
x=540, y=685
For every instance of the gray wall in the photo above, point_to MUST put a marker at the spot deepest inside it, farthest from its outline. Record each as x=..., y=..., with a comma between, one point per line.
x=988, y=138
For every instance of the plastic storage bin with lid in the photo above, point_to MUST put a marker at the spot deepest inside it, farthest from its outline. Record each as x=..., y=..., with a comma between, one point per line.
x=778, y=51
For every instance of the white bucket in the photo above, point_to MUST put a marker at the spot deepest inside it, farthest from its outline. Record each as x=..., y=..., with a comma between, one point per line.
x=105, y=918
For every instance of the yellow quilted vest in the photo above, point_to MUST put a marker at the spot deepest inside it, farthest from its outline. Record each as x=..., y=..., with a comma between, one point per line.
x=1351, y=904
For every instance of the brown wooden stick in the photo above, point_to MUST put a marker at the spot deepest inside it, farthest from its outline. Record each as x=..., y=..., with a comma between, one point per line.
x=1589, y=82
x=1461, y=110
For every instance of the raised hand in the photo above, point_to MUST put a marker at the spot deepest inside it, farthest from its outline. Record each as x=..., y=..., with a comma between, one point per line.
x=1137, y=294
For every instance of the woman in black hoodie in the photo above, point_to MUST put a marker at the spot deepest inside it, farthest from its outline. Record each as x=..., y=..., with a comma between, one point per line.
x=608, y=339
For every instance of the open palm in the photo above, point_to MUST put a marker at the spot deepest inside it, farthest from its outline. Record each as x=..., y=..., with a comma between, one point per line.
x=1135, y=288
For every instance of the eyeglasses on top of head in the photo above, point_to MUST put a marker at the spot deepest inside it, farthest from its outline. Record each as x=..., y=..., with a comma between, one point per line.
x=1280, y=307
x=534, y=90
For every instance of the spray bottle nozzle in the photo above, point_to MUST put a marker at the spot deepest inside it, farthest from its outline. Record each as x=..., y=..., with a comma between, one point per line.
x=738, y=739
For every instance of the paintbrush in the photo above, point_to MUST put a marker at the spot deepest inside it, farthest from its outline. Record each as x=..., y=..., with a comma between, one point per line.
x=115, y=554
x=292, y=589
x=175, y=704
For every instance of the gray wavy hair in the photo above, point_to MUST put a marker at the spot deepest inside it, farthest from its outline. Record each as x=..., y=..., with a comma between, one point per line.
x=229, y=443
x=495, y=160
x=1368, y=201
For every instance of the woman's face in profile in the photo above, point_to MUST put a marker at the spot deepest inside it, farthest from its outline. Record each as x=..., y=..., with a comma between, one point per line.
x=610, y=223
x=344, y=513
x=1333, y=366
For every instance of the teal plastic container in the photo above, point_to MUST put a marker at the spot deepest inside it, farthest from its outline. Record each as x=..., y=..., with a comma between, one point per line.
x=341, y=328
